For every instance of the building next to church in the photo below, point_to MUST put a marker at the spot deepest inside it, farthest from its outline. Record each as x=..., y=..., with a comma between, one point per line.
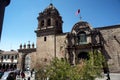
x=53, y=42
x=8, y=60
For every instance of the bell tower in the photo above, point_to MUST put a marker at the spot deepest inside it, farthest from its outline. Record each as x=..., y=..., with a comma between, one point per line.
x=49, y=27
x=49, y=22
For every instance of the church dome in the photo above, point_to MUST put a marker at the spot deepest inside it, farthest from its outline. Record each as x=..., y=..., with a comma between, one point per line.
x=81, y=25
x=51, y=10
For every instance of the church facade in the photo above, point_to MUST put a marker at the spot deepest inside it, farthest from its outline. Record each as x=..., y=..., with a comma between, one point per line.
x=53, y=42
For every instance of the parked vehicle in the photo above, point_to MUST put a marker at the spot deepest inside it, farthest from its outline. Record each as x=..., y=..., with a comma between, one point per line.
x=9, y=75
x=1, y=74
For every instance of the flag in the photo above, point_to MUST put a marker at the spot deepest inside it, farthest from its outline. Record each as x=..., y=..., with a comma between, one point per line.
x=77, y=12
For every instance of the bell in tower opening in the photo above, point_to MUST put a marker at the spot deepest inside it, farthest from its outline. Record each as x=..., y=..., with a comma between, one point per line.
x=49, y=22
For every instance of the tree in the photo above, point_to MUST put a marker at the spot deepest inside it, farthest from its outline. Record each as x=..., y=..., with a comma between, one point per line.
x=41, y=72
x=60, y=69
x=93, y=67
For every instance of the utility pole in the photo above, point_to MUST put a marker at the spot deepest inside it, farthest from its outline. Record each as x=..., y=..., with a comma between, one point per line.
x=3, y=4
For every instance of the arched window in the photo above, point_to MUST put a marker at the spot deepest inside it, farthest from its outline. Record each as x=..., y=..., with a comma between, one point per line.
x=1, y=57
x=7, y=66
x=15, y=66
x=4, y=56
x=11, y=66
x=3, y=66
x=12, y=57
x=56, y=23
x=15, y=56
x=45, y=38
x=81, y=37
x=42, y=23
x=8, y=56
x=48, y=22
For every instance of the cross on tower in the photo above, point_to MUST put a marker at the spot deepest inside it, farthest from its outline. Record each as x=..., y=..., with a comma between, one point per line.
x=80, y=18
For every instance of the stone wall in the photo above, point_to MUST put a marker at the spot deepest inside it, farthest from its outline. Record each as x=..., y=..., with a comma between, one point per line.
x=53, y=46
x=111, y=35
x=45, y=49
x=19, y=66
x=32, y=56
x=32, y=60
x=61, y=45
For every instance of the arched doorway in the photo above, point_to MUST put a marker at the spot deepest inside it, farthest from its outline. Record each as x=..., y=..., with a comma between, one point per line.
x=83, y=55
x=15, y=66
x=11, y=66
x=7, y=66
x=3, y=66
x=27, y=62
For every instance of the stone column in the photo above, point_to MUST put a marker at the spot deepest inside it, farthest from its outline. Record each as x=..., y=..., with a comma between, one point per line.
x=45, y=23
x=52, y=22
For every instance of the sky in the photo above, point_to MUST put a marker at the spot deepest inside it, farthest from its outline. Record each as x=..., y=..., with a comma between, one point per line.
x=20, y=20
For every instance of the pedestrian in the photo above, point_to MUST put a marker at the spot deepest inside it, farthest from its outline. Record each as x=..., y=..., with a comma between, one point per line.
x=32, y=72
x=23, y=75
x=28, y=78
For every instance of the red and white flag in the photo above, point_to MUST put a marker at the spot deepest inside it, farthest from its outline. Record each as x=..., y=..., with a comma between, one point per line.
x=77, y=12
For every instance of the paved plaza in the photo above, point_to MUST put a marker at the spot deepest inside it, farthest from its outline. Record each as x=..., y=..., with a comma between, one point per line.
x=113, y=76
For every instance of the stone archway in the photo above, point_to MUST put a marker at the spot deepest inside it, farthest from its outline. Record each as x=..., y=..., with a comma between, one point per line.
x=70, y=57
x=7, y=66
x=3, y=66
x=11, y=66
x=27, y=62
x=83, y=55
x=24, y=59
x=15, y=66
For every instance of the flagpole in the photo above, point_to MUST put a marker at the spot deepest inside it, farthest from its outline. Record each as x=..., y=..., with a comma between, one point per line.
x=78, y=13
x=80, y=17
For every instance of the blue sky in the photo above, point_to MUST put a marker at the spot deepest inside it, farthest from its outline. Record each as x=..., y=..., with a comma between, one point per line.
x=20, y=18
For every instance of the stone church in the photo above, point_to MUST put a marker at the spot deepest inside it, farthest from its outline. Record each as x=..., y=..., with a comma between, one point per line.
x=74, y=45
